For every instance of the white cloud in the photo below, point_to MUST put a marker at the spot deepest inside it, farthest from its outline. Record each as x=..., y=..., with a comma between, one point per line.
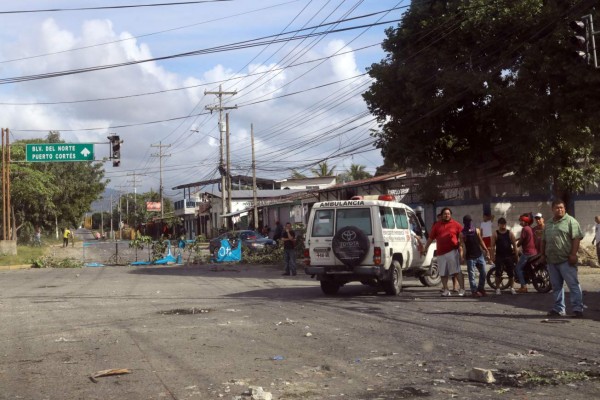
x=289, y=130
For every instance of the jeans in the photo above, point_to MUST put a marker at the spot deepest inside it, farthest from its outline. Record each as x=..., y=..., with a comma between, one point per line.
x=289, y=259
x=559, y=274
x=520, y=265
x=479, y=264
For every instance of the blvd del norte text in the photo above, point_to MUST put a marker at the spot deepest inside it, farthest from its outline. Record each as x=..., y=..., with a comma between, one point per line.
x=59, y=156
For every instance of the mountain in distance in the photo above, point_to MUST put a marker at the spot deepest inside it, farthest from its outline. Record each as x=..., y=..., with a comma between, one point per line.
x=103, y=202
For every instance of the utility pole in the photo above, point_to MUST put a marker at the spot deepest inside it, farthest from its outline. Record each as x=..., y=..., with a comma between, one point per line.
x=135, y=182
x=112, y=234
x=254, y=196
x=6, y=206
x=220, y=108
x=229, y=191
x=160, y=156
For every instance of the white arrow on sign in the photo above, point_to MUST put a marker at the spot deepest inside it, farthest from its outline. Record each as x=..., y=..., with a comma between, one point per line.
x=85, y=152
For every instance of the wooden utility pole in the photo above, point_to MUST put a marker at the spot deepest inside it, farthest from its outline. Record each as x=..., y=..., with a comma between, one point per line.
x=222, y=171
x=160, y=155
x=254, y=196
x=6, y=205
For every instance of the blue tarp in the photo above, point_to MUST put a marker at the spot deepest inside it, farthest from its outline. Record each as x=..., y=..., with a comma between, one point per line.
x=228, y=254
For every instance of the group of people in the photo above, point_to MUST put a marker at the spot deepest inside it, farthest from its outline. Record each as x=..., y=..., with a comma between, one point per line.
x=556, y=241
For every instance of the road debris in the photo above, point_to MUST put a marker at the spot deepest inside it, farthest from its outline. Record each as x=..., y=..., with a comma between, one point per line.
x=109, y=372
x=481, y=375
x=255, y=393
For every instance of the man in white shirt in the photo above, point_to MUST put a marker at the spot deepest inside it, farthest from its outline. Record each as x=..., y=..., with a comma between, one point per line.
x=486, y=229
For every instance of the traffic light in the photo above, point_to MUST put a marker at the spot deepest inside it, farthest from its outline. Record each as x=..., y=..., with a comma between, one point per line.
x=115, y=149
x=580, y=38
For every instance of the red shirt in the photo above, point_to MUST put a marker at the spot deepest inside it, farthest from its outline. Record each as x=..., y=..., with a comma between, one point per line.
x=446, y=236
x=528, y=241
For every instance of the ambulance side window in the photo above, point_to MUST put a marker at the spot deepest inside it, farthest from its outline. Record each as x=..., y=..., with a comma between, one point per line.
x=415, y=225
x=401, y=218
x=387, y=218
x=323, y=223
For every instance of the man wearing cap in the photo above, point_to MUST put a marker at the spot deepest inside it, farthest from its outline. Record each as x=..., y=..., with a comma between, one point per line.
x=538, y=231
x=448, y=250
x=560, y=244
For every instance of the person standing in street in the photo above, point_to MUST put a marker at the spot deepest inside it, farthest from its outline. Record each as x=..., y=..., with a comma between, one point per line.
x=504, y=255
x=527, y=243
x=289, y=253
x=278, y=231
x=538, y=231
x=66, y=234
x=560, y=244
x=37, y=237
x=486, y=229
x=596, y=238
x=446, y=234
x=474, y=252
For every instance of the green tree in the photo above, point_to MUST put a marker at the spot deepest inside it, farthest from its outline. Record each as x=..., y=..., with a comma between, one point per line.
x=47, y=194
x=322, y=169
x=485, y=87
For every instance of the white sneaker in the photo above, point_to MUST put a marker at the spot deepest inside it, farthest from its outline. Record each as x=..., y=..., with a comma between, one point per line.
x=446, y=293
x=461, y=292
x=513, y=291
x=498, y=291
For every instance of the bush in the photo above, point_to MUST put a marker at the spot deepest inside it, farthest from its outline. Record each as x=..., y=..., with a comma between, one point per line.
x=271, y=255
x=53, y=262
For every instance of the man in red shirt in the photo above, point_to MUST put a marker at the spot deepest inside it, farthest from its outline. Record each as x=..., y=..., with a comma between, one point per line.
x=446, y=233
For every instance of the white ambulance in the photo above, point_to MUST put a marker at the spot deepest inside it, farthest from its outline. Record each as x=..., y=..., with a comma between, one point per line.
x=370, y=239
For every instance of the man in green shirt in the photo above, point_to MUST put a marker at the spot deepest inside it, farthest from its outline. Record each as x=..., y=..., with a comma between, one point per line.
x=560, y=243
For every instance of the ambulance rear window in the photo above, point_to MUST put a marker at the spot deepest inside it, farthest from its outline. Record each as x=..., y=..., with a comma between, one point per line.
x=358, y=217
x=323, y=223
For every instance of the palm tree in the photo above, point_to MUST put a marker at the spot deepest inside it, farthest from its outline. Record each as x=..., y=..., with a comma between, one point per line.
x=322, y=169
x=357, y=172
x=297, y=175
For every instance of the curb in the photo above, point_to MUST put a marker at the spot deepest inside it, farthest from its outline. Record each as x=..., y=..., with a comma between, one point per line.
x=14, y=267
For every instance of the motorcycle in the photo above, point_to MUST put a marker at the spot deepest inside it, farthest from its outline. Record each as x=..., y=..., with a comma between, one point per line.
x=535, y=272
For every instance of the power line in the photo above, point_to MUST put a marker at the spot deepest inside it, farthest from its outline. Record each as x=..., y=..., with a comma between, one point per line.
x=217, y=49
x=146, y=34
x=179, y=3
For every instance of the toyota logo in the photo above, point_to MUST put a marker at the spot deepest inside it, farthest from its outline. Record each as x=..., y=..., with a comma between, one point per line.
x=349, y=236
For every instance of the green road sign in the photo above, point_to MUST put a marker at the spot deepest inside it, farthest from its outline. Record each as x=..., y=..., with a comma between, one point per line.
x=60, y=152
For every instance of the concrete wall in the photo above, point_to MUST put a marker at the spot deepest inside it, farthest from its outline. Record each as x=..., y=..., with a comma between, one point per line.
x=8, y=247
x=585, y=211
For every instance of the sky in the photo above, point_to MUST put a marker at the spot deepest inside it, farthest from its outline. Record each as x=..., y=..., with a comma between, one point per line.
x=297, y=68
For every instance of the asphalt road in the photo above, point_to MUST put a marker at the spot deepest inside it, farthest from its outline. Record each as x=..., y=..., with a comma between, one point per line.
x=210, y=332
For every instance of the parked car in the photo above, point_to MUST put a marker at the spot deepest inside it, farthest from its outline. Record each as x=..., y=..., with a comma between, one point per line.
x=251, y=240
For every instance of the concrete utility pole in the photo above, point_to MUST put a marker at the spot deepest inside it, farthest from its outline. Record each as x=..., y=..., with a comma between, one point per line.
x=135, y=182
x=254, y=196
x=229, y=191
x=222, y=171
x=160, y=156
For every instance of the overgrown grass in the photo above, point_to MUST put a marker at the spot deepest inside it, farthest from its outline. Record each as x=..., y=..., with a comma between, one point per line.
x=27, y=253
x=24, y=255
